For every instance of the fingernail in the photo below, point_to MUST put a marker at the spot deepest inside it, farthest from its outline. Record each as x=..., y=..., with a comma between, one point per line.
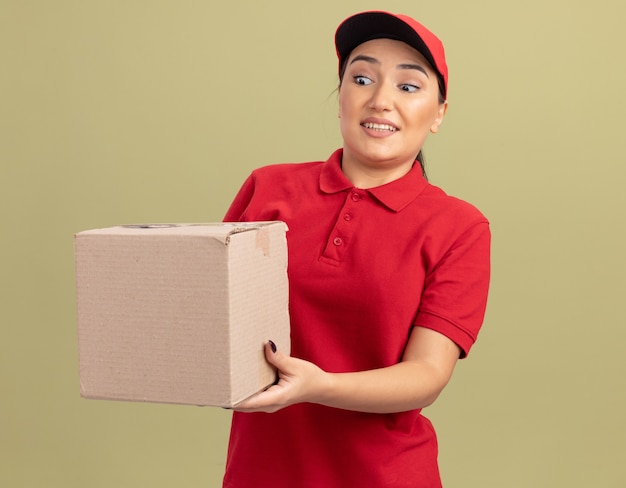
x=273, y=346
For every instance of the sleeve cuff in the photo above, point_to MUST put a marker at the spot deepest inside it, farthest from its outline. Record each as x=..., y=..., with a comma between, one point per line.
x=462, y=338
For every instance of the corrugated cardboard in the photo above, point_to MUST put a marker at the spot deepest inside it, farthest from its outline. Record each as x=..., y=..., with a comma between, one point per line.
x=179, y=313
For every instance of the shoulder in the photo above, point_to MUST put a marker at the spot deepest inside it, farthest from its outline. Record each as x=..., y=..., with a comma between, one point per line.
x=272, y=183
x=453, y=208
x=450, y=221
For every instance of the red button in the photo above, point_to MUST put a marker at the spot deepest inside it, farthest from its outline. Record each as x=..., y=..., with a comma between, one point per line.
x=337, y=241
x=347, y=217
x=356, y=197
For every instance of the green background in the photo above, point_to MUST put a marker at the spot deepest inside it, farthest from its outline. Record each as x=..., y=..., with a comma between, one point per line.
x=131, y=111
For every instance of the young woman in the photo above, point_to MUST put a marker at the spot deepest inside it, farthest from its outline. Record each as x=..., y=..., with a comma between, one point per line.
x=388, y=281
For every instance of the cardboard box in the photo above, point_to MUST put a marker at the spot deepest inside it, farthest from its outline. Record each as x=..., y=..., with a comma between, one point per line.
x=179, y=313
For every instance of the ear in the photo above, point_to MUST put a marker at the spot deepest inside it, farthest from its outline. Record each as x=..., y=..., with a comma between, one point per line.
x=443, y=107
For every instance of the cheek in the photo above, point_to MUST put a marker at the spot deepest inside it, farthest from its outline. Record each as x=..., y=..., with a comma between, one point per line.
x=424, y=115
x=347, y=125
x=340, y=104
x=349, y=100
x=345, y=111
x=343, y=124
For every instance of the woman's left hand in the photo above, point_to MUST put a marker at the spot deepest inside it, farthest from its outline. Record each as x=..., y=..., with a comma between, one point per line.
x=298, y=381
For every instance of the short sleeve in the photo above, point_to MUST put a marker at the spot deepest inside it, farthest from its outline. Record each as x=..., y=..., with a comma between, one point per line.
x=454, y=299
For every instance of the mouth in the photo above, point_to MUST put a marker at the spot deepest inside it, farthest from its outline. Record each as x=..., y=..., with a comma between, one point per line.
x=379, y=127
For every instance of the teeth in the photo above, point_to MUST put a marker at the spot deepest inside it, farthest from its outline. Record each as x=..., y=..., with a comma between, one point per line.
x=381, y=127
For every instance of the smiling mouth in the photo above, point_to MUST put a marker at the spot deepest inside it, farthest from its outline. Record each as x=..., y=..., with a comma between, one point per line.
x=379, y=127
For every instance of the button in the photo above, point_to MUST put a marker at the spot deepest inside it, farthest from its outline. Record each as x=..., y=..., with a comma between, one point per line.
x=337, y=241
x=347, y=217
x=355, y=197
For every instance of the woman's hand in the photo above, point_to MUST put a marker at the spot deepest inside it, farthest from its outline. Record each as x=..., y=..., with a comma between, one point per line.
x=298, y=381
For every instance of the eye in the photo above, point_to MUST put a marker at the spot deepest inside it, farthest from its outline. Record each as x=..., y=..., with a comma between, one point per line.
x=409, y=88
x=362, y=80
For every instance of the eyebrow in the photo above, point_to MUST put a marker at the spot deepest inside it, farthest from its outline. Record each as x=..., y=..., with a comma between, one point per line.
x=370, y=59
x=414, y=66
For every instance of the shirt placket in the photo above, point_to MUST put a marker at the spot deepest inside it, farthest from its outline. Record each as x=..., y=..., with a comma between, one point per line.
x=343, y=232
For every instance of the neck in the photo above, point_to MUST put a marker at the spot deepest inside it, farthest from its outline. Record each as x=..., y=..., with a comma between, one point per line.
x=372, y=175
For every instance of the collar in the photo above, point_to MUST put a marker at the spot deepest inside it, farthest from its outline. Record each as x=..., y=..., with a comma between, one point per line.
x=394, y=195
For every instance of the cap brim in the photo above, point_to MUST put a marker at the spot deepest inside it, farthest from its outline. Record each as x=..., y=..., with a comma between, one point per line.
x=367, y=26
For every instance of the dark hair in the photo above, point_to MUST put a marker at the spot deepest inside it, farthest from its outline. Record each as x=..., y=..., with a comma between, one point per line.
x=420, y=156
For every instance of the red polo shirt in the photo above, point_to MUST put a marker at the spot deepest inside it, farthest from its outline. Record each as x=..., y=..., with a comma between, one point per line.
x=365, y=266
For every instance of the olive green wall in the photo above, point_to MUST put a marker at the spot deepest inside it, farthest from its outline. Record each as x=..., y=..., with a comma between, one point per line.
x=140, y=111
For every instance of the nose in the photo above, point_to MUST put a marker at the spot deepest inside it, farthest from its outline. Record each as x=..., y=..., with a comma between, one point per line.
x=382, y=97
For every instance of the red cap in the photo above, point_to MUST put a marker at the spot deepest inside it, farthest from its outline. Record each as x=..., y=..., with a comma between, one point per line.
x=377, y=24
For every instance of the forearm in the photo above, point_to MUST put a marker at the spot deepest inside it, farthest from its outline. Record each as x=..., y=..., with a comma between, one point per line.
x=405, y=386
